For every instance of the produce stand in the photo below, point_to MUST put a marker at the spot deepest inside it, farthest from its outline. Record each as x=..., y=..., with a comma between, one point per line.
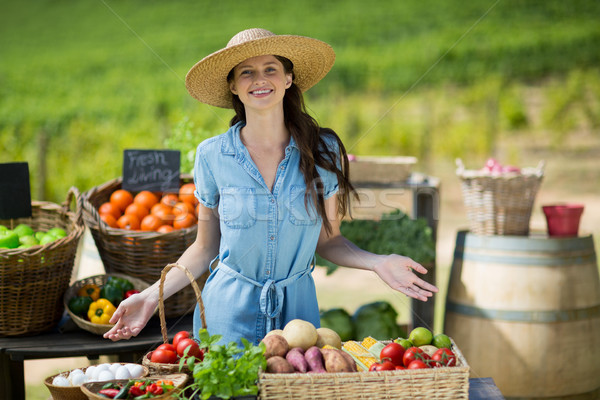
x=75, y=343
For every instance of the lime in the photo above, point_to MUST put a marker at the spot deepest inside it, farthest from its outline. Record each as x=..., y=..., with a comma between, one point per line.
x=440, y=340
x=28, y=241
x=420, y=336
x=23, y=230
x=404, y=343
x=57, y=232
x=47, y=238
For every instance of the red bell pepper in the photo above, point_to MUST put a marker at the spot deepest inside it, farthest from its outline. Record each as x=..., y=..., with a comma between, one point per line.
x=130, y=293
x=136, y=391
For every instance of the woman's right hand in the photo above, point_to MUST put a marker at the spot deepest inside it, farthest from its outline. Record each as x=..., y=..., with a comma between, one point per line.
x=131, y=316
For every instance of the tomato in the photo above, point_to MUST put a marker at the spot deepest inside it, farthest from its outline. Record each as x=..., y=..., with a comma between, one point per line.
x=417, y=364
x=192, y=344
x=374, y=366
x=393, y=352
x=399, y=367
x=164, y=356
x=166, y=346
x=386, y=366
x=413, y=353
x=179, y=336
x=444, y=357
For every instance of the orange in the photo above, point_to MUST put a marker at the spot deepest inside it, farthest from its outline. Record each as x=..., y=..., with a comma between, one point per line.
x=150, y=223
x=183, y=208
x=169, y=199
x=129, y=221
x=138, y=209
x=146, y=198
x=165, y=229
x=164, y=212
x=109, y=220
x=184, y=221
x=121, y=198
x=186, y=194
x=109, y=208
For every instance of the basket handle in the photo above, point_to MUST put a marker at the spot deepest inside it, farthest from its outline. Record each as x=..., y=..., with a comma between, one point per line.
x=73, y=193
x=460, y=167
x=161, y=306
x=89, y=208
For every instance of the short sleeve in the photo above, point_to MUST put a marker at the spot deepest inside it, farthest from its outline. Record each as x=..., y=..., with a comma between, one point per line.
x=206, y=192
x=329, y=178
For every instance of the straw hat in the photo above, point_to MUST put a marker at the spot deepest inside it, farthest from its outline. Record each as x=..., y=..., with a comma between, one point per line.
x=207, y=80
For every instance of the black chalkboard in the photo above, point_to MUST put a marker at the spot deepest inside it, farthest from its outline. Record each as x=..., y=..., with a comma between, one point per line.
x=15, y=191
x=154, y=170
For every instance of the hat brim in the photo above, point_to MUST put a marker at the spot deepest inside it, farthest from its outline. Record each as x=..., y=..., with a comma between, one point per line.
x=206, y=81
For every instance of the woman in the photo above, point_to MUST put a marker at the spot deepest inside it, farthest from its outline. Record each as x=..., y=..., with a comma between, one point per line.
x=272, y=190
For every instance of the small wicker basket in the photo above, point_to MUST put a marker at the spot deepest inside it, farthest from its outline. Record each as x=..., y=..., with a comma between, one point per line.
x=499, y=204
x=98, y=280
x=137, y=253
x=91, y=389
x=162, y=368
x=33, y=280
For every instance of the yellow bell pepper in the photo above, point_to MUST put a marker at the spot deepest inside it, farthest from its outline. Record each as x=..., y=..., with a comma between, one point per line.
x=90, y=290
x=100, y=311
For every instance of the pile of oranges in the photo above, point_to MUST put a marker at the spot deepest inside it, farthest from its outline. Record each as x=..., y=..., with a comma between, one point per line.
x=149, y=211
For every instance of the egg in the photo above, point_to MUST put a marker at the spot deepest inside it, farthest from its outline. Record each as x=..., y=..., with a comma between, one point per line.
x=114, y=367
x=89, y=371
x=135, y=370
x=122, y=373
x=99, y=368
x=73, y=374
x=105, y=375
x=60, y=380
x=78, y=380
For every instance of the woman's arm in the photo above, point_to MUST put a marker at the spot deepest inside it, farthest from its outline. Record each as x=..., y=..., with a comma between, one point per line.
x=394, y=269
x=133, y=314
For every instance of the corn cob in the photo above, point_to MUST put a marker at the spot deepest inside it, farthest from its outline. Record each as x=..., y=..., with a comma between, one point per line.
x=368, y=342
x=373, y=346
x=327, y=346
x=363, y=358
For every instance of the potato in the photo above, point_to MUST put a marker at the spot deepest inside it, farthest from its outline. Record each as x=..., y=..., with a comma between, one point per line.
x=314, y=359
x=335, y=361
x=275, y=332
x=279, y=365
x=328, y=336
x=300, y=333
x=276, y=345
x=296, y=357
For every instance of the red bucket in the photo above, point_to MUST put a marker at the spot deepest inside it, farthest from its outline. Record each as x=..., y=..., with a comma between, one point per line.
x=563, y=219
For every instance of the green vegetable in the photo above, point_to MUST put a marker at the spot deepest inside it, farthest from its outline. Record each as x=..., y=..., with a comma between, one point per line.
x=120, y=283
x=226, y=370
x=395, y=233
x=112, y=293
x=340, y=321
x=124, y=392
x=79, y=305
x=378, y=320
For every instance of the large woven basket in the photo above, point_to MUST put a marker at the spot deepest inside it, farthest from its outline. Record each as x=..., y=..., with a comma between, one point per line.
x=33, y=280
x=162, y=368
x=445, y=383
x=499, y=204
x=98, y=280
x=136, y=253
x=91, y=389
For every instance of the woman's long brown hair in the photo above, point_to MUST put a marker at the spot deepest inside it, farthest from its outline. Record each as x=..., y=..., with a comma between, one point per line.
x=311, y=139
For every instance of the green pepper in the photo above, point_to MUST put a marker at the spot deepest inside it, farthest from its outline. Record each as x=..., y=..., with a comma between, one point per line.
x=121, y=283
x=124, y=392
x=79, y=305
x=112, y=294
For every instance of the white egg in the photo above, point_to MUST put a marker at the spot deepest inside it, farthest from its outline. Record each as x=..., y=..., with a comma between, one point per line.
x=60, y=380
x=75, y=372
x=78, y=380
x=114, y=367
x=122, y=373
x=89, y=372
x=136, y=370
x=105, y=375
x=99, y=368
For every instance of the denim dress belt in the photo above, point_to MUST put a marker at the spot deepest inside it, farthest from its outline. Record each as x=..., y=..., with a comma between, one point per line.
x=271, y=296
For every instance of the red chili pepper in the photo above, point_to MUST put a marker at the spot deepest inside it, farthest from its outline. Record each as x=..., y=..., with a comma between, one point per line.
x=130, y=293
x=136, y=391
x=154, y=389
x=110, y=393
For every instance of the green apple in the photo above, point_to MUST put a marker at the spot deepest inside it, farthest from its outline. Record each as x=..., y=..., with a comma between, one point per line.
x=57, y=232
x=28, y=241
x=47, y=238
x=3, y=228
x=9, y=239
x=23, y=230
x=39, y=235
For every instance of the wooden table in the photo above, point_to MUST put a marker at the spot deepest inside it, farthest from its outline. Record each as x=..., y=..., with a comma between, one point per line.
x=74, y=342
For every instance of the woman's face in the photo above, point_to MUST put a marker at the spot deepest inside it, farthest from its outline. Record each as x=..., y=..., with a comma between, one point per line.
x=260, y=82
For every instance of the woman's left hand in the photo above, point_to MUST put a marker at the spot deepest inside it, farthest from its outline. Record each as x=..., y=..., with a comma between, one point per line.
x=397, y=272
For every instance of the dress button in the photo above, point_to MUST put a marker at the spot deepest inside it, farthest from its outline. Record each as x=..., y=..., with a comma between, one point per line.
x=272, y=237
x=272, y=200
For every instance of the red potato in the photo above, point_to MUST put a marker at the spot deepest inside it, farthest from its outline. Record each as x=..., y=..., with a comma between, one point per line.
x=296, y=357
x=279, y=365
x=314, y=360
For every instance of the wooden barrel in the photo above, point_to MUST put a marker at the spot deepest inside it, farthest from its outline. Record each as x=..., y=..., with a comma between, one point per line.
x=525, y=311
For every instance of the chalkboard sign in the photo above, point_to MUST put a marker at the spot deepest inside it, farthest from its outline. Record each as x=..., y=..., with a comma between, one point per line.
x=15, y=192
x=154, y=170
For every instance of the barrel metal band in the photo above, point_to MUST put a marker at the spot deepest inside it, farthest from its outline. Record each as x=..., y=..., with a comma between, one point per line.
x=525, y=316
x=585, y=259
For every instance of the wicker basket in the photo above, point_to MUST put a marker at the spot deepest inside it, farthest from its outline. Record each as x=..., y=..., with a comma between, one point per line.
x=33, y=280
x=445, y=383
x=139, y=254
x=162, y=368
x=91, y=389
x=499, y=204
x=98, y=280
x=72, y=392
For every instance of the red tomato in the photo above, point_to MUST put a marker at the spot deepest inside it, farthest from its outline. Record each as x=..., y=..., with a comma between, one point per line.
x=398, y=367
x=444, y=357
x=417, y=364
x=164, y=356
x=166, y=346
x=414, y=353
x=386, y=366
x=374, y=366
x=179, y=336
x=192, y=344
x=393, y=352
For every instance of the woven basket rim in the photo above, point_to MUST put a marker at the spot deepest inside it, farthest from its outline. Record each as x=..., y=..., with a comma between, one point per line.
x=179, y=380
x=526, y=172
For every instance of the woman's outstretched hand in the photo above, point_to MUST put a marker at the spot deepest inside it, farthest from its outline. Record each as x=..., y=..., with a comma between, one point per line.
x=397, y=272
x=131, y=317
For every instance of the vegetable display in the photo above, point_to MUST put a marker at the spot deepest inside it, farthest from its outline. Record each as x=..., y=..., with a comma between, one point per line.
x=136, y=389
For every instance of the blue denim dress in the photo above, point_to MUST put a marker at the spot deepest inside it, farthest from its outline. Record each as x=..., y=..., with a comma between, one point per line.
x=268, y=240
